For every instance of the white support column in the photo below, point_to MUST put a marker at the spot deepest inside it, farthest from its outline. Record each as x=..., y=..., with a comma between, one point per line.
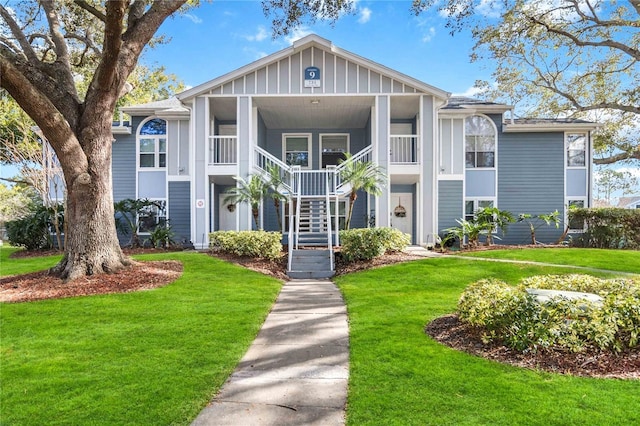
x=200, y=179
x=244, y=157
x=381, y=156
x=427, y=189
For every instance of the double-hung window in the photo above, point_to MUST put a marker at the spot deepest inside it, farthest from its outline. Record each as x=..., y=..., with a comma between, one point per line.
x=575, y=225
x=152, y=216
x=480, y=142
x=576, y=149
x=152, y=144
x=333, y=149
x=297, y=151
x=472, y=206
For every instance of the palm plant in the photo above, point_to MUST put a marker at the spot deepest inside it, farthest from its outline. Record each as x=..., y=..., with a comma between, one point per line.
x=275, y=183
x=492, y=219
x=250, y=191
x=362, y=176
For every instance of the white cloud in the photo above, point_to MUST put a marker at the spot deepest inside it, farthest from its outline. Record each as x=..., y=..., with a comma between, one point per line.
x=261, y=35
x=193, y=18
x=365, y=15
x=297, y=34
x=428, y=35
x=489, y=8
x=471, y=92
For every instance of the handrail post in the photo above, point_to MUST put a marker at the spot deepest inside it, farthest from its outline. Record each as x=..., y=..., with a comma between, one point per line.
x=328, y=222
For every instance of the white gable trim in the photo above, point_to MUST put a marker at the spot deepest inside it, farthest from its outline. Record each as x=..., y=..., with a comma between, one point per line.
x=311, y=41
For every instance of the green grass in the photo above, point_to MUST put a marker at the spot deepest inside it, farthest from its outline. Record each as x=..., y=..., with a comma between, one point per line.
x=152, y=357
x=400, y=376
x=25, y=264
x=157, y=357
x=612, y=260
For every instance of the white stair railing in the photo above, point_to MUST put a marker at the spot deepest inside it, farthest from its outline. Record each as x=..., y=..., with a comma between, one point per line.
x=328, y=223
x=362, y=156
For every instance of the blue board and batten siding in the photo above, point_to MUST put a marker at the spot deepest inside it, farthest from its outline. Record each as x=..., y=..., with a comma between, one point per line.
x=123, y=163
x=180, y=209
x=450, y=204
x=531, y=180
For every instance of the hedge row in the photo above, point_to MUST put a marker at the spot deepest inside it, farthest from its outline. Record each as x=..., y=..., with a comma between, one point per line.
x=260, y=244
x=607, y=227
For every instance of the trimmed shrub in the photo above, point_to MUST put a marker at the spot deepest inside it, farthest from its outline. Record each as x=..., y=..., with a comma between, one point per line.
x=260, y=244
x=515, y=318
x=368, y=243
x=607, y=227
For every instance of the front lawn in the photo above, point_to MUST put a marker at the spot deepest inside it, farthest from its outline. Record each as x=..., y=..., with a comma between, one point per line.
x=151, y=357
x=400, y=376
x=612, y=260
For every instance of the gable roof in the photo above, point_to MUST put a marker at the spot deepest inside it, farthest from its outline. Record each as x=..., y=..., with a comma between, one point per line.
x=625, y=202
x=312, y=41
x=171, y=106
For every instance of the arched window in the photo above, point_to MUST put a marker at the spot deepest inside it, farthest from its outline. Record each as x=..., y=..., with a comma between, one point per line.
x=152, y=144
x=480, y=142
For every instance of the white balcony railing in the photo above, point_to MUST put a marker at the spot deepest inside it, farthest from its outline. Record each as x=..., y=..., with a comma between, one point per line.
x=223, y=150
x=404, y=149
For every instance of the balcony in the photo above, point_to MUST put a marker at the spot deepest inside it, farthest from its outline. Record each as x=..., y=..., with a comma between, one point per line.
x=403, y=149
x=223, y=150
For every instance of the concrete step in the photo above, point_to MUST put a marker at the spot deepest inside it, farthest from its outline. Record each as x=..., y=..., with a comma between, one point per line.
x=302, y=275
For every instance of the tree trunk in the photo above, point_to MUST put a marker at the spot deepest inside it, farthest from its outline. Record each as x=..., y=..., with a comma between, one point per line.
x=276, y=204
x=91, y=245
x=352, y=200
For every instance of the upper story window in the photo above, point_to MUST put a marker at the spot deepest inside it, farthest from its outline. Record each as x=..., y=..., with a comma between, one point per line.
x=480, y=142
x=576, y=149
x=333, y=149
x=297, y=150
x=152, y=144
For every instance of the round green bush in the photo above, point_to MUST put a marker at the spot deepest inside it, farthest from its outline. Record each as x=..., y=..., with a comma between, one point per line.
x=512, y=316
x=368, y=243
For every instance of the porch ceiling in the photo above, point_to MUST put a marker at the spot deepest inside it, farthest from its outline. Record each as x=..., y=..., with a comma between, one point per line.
x=315, y=112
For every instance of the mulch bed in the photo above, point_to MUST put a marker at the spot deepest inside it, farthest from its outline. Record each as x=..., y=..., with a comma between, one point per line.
x=450, y=331
x=41, y=285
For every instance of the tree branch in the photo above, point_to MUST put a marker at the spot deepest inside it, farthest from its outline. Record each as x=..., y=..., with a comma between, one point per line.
x=53, y=124
x=62, y=63
x=27, y=51
x=632, y=155
x=635, y=53
x=92, y=10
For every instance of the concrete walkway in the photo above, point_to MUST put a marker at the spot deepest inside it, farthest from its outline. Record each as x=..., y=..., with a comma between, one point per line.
x=297, y=369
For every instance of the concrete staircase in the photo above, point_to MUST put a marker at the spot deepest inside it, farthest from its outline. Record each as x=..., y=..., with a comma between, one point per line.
x=308, y=261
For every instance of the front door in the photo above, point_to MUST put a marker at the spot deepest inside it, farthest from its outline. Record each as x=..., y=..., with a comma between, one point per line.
x=402, y=212
x=227, y=215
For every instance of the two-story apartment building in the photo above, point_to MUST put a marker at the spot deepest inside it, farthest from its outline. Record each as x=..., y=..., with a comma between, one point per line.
x=300, y=109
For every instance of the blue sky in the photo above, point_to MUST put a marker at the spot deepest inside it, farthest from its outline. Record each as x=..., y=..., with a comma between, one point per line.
x=218, y=37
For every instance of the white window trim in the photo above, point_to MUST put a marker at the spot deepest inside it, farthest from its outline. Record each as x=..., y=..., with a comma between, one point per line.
x=166, y=214
x=298, y=135
x=566, y=213
x=476, y=202
x=566, y=150
x=333, y=134
x=495, y=143
x=156, y=152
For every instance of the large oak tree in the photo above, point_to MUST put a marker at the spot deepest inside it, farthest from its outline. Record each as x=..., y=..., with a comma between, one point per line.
x=42, y=43
x=558, y=58
x=39, y=46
